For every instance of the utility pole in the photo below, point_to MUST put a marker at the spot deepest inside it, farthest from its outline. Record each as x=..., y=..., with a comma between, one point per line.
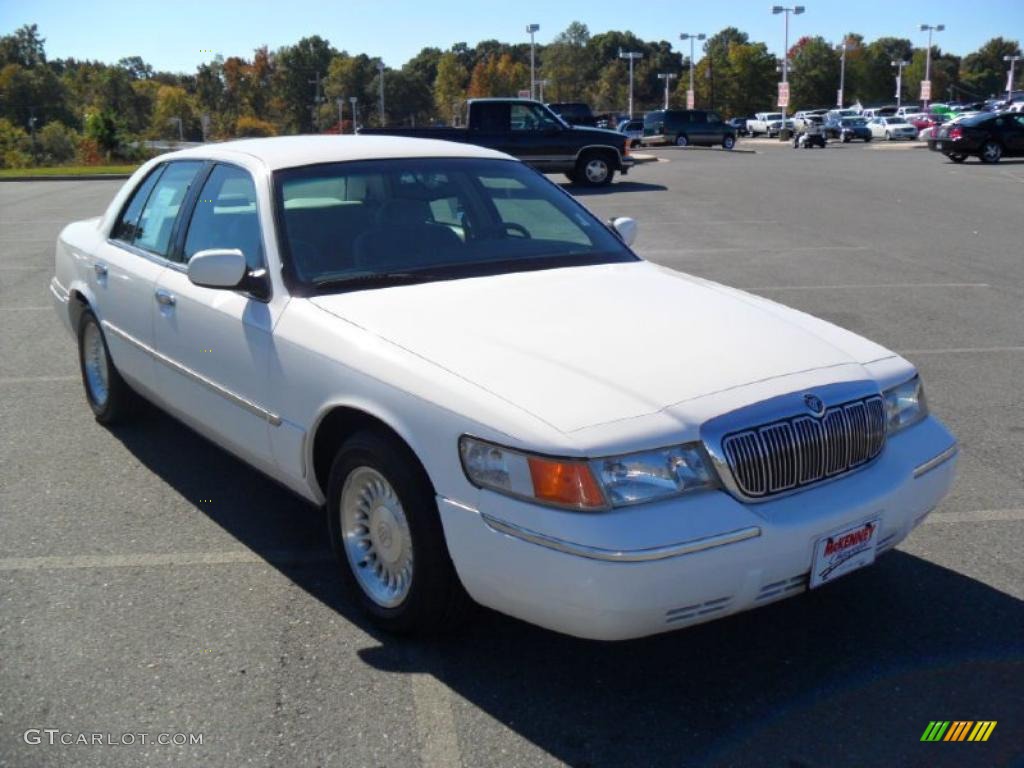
x=532, y=29
x=341, y=115
x=632, y=56
x=1009, y=80
x=929, y=28
x=796, y=11
x=899, y=81
x=844, y=47
x=315, y=110
x=690, y=95
x=355, y=114
x=668, y=77
x=540, y=87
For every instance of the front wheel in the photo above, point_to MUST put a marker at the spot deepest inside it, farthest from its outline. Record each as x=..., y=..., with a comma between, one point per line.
x=991, y=152
x=386, y=534
x=728, y=142
x=682, y=141
x=867, y=139
x=888, y=136
x=108, y=395
x=594, y=170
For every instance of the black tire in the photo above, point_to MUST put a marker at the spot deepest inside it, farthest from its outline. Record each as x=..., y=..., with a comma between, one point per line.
x=957, y=157
x=585, y=171
x=435, y=600
x=118, y=401
x=867, y=139
x=682, y=140
x=888, y=136
x=846, y=139
x=991, y=152
x=728, y=142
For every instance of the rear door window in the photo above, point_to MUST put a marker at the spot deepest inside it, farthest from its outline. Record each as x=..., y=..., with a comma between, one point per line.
x=156, y=223
x=126, y=226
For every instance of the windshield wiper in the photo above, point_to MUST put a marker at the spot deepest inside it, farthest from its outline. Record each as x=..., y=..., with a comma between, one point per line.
x=376, y=279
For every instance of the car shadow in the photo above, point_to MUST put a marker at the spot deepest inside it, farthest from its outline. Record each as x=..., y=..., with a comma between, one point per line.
x=850, y=675
x=614, y=187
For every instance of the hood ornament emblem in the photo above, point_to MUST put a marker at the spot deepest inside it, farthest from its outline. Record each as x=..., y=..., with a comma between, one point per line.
x=814, y=405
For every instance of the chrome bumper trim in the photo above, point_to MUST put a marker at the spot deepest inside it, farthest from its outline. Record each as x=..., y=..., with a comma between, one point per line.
x=59, y=291
x=271, y=418
x=943, y=457
x=618, y=555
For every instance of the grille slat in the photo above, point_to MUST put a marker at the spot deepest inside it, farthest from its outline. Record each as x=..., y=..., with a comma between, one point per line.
x=800, y=451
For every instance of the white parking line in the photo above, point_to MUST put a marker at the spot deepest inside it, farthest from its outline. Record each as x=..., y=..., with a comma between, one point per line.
x=435, y=722
x=157, y=559
x=20, y=309
x=36, y=379
x=959, y=350
x=901, y=286
x=978, y=516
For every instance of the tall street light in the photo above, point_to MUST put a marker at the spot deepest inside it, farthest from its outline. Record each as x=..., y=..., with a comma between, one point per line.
x=632, y=56
x=796, y=10
x=929, y=28
x=690, y=96
x=355, y=114
x=844, y=47
x=899, y=81
x=532, y=29
x=668, y=77
x=1009, y=79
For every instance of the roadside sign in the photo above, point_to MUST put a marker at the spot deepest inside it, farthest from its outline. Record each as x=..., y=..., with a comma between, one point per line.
x=926, y=90
x=783, y=94
x=524, y=94
x=689, y=99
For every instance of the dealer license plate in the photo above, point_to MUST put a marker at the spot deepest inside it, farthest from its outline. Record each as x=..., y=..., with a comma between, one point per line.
x=938, y=145
x=847, y=550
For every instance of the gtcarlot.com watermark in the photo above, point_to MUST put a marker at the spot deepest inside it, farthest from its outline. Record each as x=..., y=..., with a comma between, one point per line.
x=55, y=736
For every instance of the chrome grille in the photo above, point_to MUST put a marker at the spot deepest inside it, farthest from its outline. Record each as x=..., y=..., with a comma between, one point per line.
x=799, y=451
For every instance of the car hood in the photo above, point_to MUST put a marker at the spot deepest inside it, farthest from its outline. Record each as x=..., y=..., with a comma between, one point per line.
x=582, y=346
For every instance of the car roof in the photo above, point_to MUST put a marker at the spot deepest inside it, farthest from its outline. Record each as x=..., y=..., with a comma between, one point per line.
x=294, y=151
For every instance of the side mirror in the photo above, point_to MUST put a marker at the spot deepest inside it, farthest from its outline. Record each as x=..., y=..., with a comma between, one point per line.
x=625, y=228
x=217, y=268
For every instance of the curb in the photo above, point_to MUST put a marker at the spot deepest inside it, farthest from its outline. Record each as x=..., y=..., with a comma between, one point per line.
x=83, y=177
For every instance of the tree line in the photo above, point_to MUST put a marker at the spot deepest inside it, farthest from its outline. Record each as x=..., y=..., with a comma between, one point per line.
x=59, y=110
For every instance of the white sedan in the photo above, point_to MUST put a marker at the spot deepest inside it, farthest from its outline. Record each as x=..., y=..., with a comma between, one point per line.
x=890, y=128
x=488, y=392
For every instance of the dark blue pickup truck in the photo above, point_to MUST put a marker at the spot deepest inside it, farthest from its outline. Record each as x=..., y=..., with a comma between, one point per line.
x=530, y=131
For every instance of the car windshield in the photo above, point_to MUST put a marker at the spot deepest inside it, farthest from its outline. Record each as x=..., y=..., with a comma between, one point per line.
x=384, y=222
x=773, y=116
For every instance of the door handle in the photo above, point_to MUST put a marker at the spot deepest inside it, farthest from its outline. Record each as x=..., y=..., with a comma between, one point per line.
x=166, y=298
x=100, y=269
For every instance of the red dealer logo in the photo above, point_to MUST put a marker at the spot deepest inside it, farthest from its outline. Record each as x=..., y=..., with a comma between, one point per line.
x=850, y=540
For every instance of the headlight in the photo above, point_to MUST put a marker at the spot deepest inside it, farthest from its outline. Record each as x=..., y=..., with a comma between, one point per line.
x=905, y=404
x=586, y=485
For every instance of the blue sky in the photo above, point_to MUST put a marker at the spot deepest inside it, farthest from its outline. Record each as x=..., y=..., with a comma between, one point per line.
x=176, y=35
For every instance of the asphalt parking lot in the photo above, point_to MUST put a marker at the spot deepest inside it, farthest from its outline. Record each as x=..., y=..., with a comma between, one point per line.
x=149, y=582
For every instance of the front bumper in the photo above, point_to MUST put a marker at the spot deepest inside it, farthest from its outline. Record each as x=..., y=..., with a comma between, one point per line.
x=657, y=567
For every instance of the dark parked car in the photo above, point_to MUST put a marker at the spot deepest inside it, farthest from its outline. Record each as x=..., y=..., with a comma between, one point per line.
x=847, y=129
x=988, y=136
x=688, y=126
x=574, y=113
x=530, y=131
x=740, y=124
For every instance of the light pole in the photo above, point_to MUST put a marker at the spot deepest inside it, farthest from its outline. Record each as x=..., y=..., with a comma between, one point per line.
x=1009, y=78
x=796, y=10
x=844, y=47
x=540, y=86
x=532, y=29
x=380, y=69
x=899, y=81
x=355, y=115
x=181, y=133
x=632, y=56
x=668, y=77
x=929, y=28
x=341, y=115
x=690, y=95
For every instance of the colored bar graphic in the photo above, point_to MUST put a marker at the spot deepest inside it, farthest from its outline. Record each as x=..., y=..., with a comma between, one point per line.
x=958, y=730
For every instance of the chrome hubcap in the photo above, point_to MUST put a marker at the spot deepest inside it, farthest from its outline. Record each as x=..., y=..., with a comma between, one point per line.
x=376, y=536
x=95, y=357
x=597, y=170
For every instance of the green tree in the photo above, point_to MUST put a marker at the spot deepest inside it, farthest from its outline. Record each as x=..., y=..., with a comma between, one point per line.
x=568, y=65
x=984, y=73
x=293, y=84
x=24, y=47
x=815, y=76
x=57, y=143
x=945, y=68
x=450, y=87
x=173, y=103
x=15, y=146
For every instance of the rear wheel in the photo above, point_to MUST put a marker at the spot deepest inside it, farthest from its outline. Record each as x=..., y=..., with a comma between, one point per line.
x=594, y=169
x=108, y=395
x=386, y=533
x=991, y=152
x=682, y=141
